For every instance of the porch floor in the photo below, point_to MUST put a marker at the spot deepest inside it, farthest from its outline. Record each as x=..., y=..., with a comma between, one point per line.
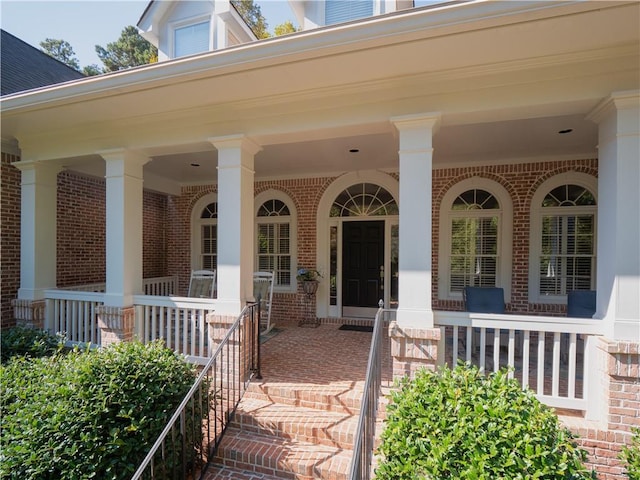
x=299, y=420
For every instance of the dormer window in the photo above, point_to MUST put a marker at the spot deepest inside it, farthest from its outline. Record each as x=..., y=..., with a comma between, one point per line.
x=191, y=39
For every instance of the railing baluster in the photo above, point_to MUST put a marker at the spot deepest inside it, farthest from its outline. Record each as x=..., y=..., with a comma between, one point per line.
x=454, y=355
x=496, y=349
x=511, y=352
x=555, y=383
x=540, y=385
x=470, y=345
x=483, y=348
x=571, y=387
x=525, y=359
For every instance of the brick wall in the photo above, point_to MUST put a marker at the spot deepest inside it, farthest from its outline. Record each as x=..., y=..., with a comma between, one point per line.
x=81, y=231
x=9, y=237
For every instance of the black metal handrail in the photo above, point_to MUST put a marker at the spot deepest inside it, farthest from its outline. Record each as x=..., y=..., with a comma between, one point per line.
x=366, y=429
x=192, y=435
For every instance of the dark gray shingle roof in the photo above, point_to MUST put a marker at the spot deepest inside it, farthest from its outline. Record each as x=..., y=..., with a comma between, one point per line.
x=24, y=67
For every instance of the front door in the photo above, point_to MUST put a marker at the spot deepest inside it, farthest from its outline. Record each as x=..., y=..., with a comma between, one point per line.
x=362, y=268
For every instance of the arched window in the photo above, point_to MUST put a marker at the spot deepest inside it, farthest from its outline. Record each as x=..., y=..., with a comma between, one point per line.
x=563, y=239
x=275, y=236
x=364, y=200
x=209, y=237
x=474, y=246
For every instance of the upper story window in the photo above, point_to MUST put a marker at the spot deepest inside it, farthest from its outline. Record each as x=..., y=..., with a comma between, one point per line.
x=563, y=237
x=338, y=11
x=475, y=246
x=191, y=39
x=275, y=237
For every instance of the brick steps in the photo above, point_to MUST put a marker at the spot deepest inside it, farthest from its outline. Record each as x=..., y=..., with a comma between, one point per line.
x=334, y=398
x=282, y=458
x=291, y=422
x=218, y=472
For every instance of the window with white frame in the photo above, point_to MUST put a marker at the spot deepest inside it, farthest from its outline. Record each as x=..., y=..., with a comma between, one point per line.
x=209, y=237
x=474, y=244
x=274, y=242
x=565, y=246
x=191, y=39
x=338, y=11
x=474, y=240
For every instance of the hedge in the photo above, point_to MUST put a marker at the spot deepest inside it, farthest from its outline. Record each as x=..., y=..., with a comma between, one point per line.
x=461, y=424
x=87, y=415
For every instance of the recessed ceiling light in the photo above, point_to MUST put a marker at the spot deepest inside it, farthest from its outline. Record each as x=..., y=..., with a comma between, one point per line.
x=354, y=150
x=195, y=164
x=566, y=130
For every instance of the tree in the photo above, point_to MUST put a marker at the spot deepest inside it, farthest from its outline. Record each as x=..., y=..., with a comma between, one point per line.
x=284, y=28
x=92, y=70
x=251, y=13
x=130, y=50
x=60, y=50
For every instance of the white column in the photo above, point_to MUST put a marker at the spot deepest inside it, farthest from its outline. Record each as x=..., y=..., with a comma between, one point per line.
x=235, y=222
x=123, y=226
x=618, y=234
x=37, y=228
x=416, y=155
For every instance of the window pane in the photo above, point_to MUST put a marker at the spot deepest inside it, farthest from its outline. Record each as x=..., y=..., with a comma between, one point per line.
x=191, y=39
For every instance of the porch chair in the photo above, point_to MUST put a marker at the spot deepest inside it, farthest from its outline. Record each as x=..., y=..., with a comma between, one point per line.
x=202, y=283
x=483, y=300
x=263, y=289
x=581, y=303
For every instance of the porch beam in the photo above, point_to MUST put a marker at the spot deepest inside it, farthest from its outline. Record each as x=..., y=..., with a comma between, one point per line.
x=123, y=226
x=235, y=222
x=37, y=228
x=416, y=163
x=618, y=272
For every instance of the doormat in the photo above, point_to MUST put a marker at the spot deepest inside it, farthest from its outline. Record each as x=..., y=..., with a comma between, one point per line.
x=357, y=328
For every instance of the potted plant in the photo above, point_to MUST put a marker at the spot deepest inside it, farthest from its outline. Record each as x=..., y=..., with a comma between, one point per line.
x=309, y=279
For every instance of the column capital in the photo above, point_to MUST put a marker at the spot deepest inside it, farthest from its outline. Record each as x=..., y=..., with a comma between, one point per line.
x=121, y=161
x=420, y=121
x=615, y=102
x=38, y=165
x=239, y=141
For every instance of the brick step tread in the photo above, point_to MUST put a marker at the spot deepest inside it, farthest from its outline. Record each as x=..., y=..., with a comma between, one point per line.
x=289, y=421
x=337, y=399
x=282, y=458
x=219, y=472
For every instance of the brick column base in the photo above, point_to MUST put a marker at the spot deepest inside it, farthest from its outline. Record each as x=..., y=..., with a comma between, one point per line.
x=116, y=324
x=413, y=348
x=29, y=313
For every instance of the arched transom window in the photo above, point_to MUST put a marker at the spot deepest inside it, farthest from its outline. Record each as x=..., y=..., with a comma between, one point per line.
x=274, y=240
x=567, y=240
x=474, y=230
x=362, y=200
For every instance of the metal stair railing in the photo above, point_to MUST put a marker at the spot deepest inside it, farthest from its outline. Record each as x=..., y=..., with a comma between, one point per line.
x=366, y=430
x=190, y=439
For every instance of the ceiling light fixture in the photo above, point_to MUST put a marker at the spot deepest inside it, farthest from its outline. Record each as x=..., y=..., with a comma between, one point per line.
x=354, y=150
x=566, y=130
x=195, y=164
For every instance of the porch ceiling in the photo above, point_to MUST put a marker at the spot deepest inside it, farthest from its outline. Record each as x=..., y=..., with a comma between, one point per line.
x=507, y=77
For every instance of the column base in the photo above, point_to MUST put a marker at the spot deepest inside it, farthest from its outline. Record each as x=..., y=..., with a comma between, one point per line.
x=29, y=313
x=413, y=348
x=116, y=324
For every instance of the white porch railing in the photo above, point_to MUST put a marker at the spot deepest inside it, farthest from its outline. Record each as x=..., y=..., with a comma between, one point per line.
x=74, y=314
x=162, y=286
x=180, y=321
x=550, y=355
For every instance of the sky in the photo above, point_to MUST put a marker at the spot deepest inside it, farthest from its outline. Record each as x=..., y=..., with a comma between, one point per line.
x=86, y=23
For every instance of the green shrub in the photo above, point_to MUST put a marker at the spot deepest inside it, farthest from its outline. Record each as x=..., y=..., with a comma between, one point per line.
x=88, y=414
x=631, y=456
x=461, y=424
x=28, y=342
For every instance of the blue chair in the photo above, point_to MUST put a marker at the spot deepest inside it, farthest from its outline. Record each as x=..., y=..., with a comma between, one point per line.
x=581, y=303
x=483, y=299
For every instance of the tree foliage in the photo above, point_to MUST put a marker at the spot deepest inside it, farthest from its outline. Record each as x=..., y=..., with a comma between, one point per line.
x=60, y=50
x=251, y=13
x=130, y=50
x=284, y=28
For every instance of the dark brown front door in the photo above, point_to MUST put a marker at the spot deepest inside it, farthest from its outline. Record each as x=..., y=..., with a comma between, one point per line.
x=362, y=267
